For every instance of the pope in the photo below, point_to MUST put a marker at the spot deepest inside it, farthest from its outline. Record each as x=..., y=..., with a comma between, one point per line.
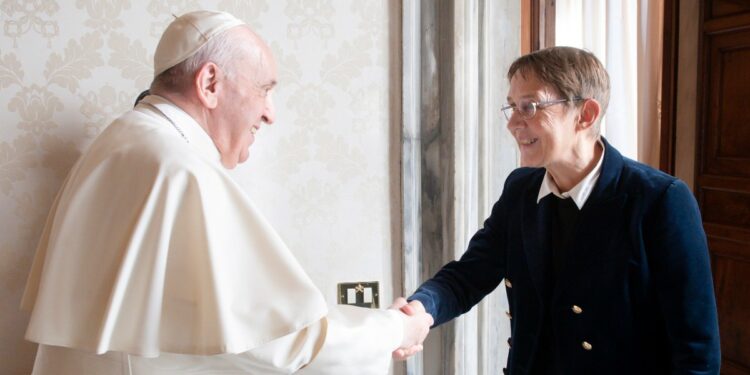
x=154, y=261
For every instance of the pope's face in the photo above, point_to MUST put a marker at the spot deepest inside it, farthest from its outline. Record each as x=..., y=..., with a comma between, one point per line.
x=548, y=137
x=246, y=103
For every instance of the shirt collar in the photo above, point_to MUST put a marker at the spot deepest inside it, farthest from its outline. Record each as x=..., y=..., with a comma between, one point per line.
x=579, y=193
x=185, y=126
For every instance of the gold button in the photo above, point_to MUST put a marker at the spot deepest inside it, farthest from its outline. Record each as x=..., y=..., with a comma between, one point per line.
x=586, y=345
x=576, y=309
x=508, y=284
x=507, y=313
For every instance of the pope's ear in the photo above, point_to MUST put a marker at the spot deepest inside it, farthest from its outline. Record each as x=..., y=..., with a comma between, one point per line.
x=589, y=113
x=207, y=84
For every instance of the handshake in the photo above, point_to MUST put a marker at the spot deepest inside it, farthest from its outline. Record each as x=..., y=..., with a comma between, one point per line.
x=417, y=323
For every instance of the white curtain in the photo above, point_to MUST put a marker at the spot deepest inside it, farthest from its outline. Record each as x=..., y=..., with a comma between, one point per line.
x=626, y=35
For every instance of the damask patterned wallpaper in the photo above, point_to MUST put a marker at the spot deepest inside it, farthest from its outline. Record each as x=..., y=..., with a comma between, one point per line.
x=321, y=173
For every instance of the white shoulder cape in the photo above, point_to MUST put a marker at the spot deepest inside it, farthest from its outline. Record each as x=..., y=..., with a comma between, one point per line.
x=151, y=247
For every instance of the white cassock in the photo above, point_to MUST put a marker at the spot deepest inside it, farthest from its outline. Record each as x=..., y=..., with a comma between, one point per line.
x=154, y=261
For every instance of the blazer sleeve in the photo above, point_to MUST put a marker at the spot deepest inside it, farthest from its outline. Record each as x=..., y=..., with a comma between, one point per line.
x=681, y=273
x=461, y=284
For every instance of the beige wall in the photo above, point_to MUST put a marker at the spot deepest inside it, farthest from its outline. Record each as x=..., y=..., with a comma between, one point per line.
x=321, y=174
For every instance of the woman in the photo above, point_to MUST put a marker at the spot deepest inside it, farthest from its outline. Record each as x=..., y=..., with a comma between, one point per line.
x=605, y=260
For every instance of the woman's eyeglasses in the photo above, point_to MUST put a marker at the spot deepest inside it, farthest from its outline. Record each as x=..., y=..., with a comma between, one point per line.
x=527, y=109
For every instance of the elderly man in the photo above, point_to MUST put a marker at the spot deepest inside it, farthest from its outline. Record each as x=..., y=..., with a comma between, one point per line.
x=153, y=261
x=604, y=259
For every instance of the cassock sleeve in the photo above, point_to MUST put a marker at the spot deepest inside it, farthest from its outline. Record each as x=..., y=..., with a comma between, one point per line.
x=349, y=340
x=357, y=341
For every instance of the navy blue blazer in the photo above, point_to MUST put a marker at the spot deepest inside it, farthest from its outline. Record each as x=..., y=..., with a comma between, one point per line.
x=635, y=294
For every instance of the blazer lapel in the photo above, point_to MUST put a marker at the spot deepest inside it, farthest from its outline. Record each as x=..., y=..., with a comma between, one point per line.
x=598, y=221
x=536, y=226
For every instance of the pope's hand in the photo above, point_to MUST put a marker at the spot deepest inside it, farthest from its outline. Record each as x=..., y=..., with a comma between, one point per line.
x=417, y=324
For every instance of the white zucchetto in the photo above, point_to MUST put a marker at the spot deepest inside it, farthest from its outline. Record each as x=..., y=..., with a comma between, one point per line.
x=187, y=34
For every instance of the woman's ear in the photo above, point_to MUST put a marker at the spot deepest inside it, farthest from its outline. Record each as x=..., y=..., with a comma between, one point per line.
x=207, y=84
x=589, y=113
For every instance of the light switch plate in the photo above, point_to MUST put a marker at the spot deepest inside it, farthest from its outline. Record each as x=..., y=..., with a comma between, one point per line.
x=360, y=293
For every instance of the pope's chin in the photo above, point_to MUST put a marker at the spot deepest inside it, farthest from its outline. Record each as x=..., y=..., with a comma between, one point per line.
x=244, y=154
x=230, y=160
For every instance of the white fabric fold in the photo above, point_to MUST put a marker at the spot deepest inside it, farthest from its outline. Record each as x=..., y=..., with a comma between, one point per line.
x=151, y=247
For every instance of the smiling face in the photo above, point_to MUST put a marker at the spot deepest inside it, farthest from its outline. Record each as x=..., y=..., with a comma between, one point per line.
x=548, y=138
x=245, y=101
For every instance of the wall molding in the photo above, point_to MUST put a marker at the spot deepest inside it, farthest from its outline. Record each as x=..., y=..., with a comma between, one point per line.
x=456, y=154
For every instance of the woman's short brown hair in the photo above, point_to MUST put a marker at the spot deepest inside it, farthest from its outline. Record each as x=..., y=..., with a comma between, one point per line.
x=572, y=72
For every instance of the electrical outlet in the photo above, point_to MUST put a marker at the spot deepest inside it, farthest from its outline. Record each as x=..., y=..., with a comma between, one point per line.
x=360, y=293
